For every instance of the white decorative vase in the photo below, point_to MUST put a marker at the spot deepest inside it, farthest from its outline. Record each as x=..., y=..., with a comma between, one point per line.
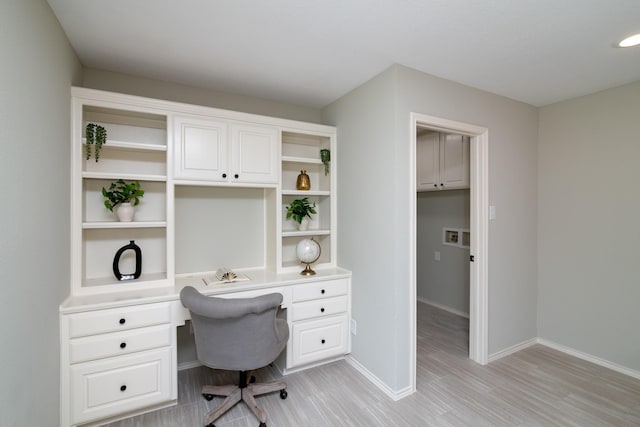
x=304, y=224
x=125, y=212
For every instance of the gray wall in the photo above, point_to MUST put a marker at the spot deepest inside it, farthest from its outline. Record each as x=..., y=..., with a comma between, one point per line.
x=444, y=282
x=588, y=228
x=38, y=68
x=366, y=215
x=374, y=153
x=123, y=83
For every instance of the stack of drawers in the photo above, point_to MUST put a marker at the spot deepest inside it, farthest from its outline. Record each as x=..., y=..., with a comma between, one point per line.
x=119, y=360
x=319, y=321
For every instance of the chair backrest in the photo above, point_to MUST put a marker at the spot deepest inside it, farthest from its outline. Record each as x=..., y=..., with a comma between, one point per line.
x=236, y=333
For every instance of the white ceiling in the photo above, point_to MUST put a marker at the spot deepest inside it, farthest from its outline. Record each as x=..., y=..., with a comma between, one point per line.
x=311, y=52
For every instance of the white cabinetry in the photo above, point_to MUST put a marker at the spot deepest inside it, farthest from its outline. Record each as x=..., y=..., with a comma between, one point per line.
x=116, y=360
x=222, y=151
x=216, y=185
x=442, y=161
x=319, y=318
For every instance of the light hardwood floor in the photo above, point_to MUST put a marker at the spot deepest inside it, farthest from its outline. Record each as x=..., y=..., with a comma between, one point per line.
x=537, y=386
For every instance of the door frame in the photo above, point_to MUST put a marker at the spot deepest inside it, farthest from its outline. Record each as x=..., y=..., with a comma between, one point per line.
x=479, y=229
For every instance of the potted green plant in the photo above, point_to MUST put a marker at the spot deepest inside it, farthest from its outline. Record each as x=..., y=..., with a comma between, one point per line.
x=300, y=210
x=126, y=195
x=95, y=135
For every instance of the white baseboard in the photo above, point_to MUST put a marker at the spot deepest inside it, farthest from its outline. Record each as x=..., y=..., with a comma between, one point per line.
x=393, y=394
x=567, y=350
x=590, y=358
x=513, y=349
x=189, y=365
x=443, y=307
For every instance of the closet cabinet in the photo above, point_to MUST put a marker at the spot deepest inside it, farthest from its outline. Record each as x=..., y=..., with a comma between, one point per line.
x=442, y=161
x=223, y=151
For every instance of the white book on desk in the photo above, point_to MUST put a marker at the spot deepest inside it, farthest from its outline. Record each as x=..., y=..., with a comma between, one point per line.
x=224, y=275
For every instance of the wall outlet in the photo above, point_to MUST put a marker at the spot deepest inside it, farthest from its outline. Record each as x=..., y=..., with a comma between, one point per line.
x=354, y=326
x=436, y=256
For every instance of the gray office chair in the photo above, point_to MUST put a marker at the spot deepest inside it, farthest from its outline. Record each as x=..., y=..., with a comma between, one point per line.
x=237, y=334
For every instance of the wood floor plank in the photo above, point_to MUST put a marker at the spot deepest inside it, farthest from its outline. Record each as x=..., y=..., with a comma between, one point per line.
x=535, y=387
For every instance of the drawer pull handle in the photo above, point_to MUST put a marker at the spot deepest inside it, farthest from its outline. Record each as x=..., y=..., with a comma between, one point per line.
x=123, y=344
x=322, y=310
x=224, y=175
x=322, y=291
x=322, y=341
x=123, y=387
x=236, y=176
x=122, y=321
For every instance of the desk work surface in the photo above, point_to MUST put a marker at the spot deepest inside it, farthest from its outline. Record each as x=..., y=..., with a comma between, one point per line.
x=258, y=279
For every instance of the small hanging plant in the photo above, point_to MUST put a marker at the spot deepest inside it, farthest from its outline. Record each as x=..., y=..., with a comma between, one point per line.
x=96, y=135
x=325, y=157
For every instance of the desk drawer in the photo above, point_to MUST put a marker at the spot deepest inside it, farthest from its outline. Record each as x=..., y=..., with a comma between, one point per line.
x=319, y=308
x=118, y=319
x=325, y=289
x=119, y=343
x=113, y=386
x=319, y=339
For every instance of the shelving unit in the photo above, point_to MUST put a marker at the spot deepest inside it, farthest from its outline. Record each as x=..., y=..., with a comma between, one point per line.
x=136, y=149
x=301, y=151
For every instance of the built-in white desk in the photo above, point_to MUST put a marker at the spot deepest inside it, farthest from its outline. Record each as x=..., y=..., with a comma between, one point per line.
x=119, y=349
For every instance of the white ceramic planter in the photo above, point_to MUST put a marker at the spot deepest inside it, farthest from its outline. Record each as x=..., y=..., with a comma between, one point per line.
x=125, y=212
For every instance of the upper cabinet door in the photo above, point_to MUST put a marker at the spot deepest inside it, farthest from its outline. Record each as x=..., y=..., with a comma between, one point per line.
x=201, y=149
x=254, y=154
x=442, y=161
x=427, y=157
x=454, y=161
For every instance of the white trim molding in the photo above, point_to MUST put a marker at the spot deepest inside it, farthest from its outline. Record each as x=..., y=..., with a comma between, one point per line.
x=590, y=358
x=479, y=198
x=393, y=394
x=513, y=349
x=566, y=350
x=443, y=307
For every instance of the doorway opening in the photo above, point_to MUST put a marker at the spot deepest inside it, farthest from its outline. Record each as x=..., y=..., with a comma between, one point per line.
x=477, y=237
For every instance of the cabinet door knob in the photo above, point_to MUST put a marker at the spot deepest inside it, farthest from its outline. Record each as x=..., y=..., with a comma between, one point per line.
x=122, y=321
x=123, y=344
x=435, y=185
x=322, y=310
x=123, y=387
x=322, y=291
x=322, y=341
x=441, y=185
x=236, y=176
x=224, y=175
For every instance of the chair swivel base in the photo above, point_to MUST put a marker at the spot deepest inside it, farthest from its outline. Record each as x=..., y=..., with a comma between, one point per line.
x=236, y=393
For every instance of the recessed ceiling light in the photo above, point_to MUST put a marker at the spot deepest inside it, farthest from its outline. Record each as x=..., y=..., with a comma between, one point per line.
x=630, y=41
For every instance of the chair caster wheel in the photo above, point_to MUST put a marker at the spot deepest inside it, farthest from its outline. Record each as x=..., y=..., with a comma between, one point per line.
x=263, y=425
x=209, y=397
x=283, y=394
x=252, y=379
x=210, y=425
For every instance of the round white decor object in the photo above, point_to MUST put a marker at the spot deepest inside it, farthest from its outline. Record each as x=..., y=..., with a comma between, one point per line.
x=308, y=251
